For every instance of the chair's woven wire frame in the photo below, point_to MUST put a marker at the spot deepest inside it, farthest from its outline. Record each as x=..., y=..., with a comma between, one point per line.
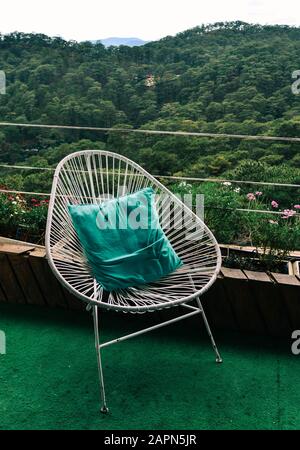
x=92, y=176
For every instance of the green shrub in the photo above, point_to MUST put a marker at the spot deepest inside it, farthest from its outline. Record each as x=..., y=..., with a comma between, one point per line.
x=23, y=218
x=276, y=232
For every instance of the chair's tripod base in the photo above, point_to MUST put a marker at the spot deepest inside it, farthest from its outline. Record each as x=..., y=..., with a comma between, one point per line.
x=195, y=310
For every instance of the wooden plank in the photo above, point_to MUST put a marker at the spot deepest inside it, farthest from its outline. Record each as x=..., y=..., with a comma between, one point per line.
x=2, y=295
x=218, y=308
x=289, y=287
x=39, y=252
x=233, y=273
x=24, y=275
x=288, y=280
x=48, y=284
x=249, y=249
x=15, y=249
x=9, y=284
x=292, y=300
x=257, y=276
x=269, y=303
x=258, y=282
x=73, y=302
x=243, y=303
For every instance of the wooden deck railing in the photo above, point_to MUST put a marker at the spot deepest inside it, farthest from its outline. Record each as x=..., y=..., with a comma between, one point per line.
x=240, y=300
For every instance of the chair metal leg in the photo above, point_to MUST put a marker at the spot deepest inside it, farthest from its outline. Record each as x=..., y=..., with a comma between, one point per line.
x=218, y=356
x=104, y=408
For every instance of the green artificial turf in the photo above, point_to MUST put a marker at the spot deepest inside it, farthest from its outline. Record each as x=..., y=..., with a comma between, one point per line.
x=166, y=379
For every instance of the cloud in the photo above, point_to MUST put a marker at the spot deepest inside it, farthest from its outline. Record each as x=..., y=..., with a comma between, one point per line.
x=94, y=19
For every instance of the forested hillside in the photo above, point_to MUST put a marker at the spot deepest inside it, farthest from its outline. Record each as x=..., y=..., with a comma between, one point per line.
x=223, y=78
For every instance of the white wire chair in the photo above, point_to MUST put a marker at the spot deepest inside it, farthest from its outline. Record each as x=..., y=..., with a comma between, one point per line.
x=92, y=176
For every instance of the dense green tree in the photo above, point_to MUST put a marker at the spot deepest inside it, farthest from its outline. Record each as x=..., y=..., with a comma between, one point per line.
x=221, y=78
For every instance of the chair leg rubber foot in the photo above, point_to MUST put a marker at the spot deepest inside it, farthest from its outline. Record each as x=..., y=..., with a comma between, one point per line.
x=104, y=410
x=219, y=360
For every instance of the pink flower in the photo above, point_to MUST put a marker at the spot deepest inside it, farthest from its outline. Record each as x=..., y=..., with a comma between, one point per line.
x=258, y=193
x=297, y=206
x=287, y=213
x=251, y=196
x=274, y=204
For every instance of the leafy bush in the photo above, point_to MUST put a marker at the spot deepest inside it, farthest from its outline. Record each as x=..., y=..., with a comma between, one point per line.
x=23, y=218
x=231, y=214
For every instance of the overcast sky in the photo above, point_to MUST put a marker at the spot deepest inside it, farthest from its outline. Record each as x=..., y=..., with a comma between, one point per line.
x=146, y=19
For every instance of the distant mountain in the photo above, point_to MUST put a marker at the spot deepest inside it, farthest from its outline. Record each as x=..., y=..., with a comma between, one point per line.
x=131, y=42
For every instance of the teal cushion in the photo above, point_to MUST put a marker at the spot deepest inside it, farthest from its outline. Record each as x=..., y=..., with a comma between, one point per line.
x=123, y=240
